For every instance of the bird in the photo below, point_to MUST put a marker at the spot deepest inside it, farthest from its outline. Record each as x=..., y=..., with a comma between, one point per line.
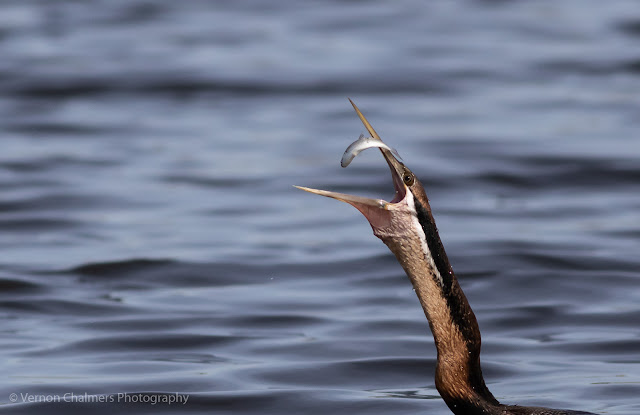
x=407, y=227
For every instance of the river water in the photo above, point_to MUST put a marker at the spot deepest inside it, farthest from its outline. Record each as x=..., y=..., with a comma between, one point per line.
x=152, y=245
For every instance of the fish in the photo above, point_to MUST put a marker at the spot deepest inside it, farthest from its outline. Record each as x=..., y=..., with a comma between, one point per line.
x=361, y=144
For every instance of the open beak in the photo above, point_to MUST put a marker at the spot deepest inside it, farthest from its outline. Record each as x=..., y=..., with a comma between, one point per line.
x=375, y=210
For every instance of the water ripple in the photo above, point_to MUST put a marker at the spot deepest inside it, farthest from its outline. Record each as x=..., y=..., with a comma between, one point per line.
x=152, y=243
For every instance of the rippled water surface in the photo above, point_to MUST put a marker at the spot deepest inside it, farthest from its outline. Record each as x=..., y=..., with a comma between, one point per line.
x=152, y=243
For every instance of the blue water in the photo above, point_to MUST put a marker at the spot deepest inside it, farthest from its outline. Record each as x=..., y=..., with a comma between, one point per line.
x=152, y=244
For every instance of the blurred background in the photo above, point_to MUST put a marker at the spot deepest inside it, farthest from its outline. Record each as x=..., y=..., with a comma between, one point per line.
x=151, y=241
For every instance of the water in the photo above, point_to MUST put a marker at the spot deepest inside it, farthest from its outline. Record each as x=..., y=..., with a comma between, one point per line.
x=152, y=243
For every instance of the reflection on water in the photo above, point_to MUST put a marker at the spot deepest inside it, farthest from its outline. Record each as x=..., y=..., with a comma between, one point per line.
x=152, y=243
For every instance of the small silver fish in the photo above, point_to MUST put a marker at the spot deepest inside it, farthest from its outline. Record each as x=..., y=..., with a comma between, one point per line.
x=361, y=144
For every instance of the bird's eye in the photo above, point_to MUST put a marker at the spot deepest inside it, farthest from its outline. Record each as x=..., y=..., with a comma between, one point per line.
x=407, y=178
